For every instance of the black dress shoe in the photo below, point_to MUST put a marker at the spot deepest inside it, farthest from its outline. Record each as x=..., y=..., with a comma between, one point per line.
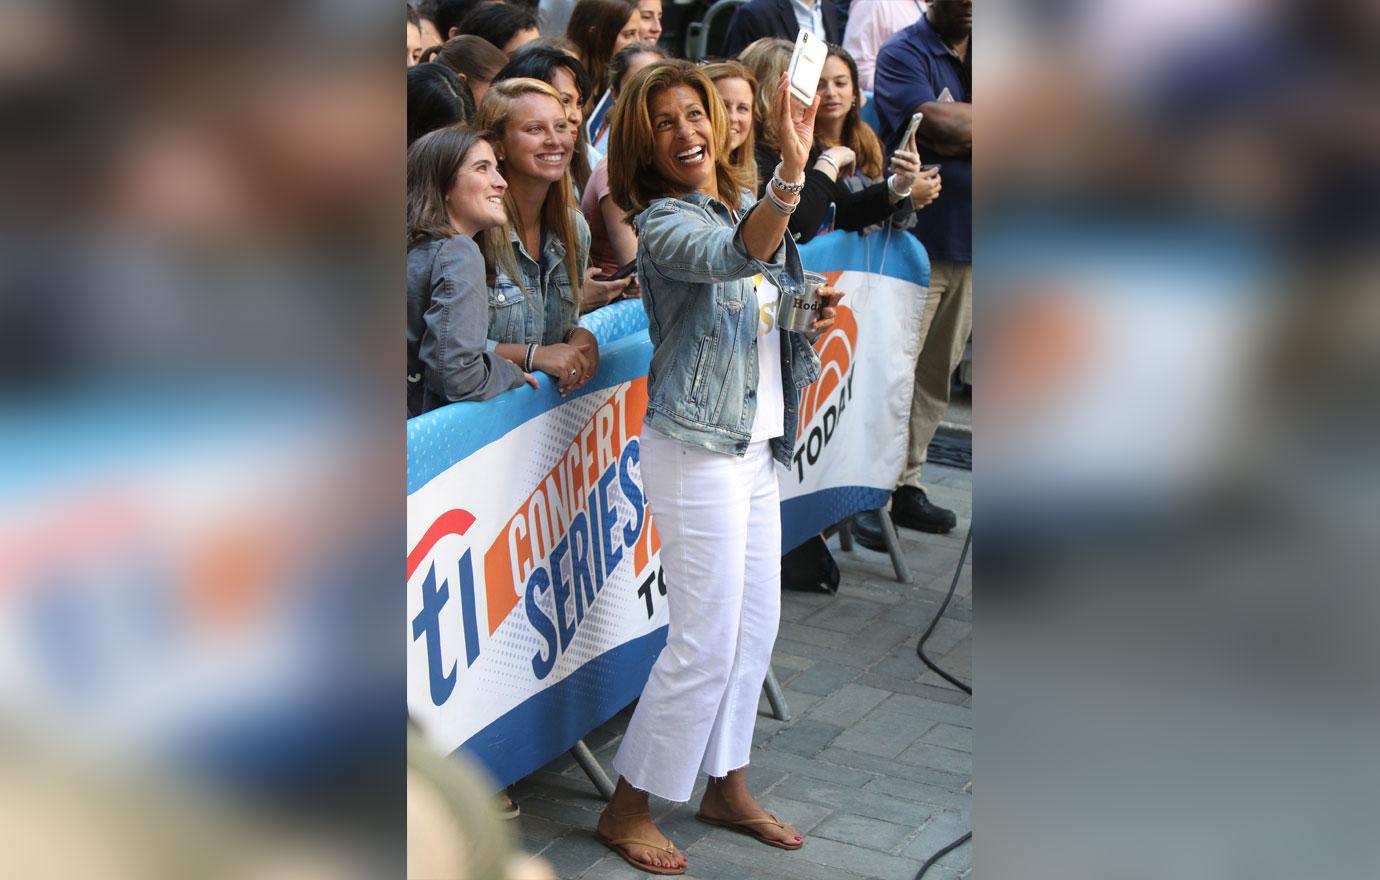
x=867, y=530
x=911, y=509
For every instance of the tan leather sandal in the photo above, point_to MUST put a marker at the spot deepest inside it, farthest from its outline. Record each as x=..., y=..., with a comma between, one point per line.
x=750, y=826
x=619, y=845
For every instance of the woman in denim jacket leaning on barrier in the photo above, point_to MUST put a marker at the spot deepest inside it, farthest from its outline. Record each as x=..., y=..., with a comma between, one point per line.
x=454, y=191
x=723, y=387
x=536, y=260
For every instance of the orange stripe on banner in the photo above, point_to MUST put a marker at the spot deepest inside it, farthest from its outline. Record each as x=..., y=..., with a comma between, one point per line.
x=542, y=519
x=835, y=350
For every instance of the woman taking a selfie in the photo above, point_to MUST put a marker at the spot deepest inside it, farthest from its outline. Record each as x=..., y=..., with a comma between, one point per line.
x=723, y=391
x=824, y=203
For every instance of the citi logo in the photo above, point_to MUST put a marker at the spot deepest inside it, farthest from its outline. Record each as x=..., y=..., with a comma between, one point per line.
x=426, y=625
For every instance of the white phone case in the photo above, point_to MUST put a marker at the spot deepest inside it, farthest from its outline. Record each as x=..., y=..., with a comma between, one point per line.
x=807, y=63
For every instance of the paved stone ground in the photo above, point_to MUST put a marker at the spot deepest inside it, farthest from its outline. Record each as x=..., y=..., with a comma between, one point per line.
x=872, y=766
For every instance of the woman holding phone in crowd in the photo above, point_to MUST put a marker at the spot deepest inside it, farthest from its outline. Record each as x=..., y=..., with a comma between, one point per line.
x=723, y=391
x=454, y=192
x=849, y=150
x=536, y=259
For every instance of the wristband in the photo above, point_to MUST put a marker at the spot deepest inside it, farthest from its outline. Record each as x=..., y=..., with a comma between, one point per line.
x=780, y=205
x=527, y=361
x=891, y=186
x=782, y=185
x=825, y=157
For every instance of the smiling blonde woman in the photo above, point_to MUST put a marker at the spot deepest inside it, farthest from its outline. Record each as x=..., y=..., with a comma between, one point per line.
x=536, y=260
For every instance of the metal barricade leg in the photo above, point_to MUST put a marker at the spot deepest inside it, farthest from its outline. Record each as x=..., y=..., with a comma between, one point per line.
x=893, y=545
x=846, y=536
x=588, y=763
x=777, y=699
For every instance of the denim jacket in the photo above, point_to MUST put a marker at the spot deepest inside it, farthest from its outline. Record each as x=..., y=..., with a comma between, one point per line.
x=697, y=290
x=524, y=310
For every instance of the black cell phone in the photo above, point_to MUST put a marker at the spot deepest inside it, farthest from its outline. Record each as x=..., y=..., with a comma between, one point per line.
x=623, y=272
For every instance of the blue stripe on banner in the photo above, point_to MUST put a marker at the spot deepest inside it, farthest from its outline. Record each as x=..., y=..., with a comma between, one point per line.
x=438, y=439
x=808, y=515
x=551, y=722
x=891, y=253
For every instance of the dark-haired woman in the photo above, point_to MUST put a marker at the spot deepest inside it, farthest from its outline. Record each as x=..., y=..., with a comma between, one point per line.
x=507, y=26
x=723, y=392
x=454, y=192
x=598, y=29
x=849, y=151
x=435, y=98
x=475, y=61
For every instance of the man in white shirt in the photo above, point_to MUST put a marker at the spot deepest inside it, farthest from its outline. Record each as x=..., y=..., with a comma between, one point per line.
x=870, y=23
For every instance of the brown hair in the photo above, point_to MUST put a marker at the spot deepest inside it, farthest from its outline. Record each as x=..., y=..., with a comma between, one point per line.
x=495, y=111
x=593, y=29
x=856, y=134
x=433, y=161
x=743, y=158
x=633, y=180
x=623, y=59
x=767, y=58
x=471, y=57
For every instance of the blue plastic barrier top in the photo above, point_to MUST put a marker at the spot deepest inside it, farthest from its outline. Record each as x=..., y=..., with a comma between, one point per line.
x=888, y=252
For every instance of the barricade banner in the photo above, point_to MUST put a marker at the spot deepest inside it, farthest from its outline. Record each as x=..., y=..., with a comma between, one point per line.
x=535, y=598
x=535, y=602
x=854, y=421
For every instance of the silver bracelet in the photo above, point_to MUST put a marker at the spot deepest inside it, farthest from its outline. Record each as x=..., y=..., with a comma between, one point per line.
x=782, y=185
x=527, y=361
x=780, y=205
x=825, y=157
x=891, y=186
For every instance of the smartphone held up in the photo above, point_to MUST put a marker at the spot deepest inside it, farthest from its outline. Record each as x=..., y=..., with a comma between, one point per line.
x=807, y=63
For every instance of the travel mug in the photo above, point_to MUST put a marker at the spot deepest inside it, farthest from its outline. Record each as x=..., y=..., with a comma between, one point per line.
x=798, y=312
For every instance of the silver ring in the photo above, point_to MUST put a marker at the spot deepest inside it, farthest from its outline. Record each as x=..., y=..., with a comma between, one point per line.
x=572, y=372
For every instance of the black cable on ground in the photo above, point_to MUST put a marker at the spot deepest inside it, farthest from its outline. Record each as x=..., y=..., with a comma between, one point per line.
x=920, y=649
x=942, y=853
x=920, y=646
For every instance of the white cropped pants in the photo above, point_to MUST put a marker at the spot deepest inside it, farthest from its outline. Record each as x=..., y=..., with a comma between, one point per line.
x=719, y=517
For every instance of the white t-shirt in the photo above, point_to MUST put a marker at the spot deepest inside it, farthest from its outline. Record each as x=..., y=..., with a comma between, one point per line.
x=770, y=420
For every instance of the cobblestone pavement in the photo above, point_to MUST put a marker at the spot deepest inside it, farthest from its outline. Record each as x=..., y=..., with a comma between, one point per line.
x=874, y=765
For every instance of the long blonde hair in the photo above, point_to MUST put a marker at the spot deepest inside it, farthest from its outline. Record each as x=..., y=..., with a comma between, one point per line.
x=767, y=58
x=633, y=180
x=744, y=158
x=495, y=112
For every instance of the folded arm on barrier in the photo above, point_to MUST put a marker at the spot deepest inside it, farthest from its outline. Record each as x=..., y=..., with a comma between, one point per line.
x=461, y=365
